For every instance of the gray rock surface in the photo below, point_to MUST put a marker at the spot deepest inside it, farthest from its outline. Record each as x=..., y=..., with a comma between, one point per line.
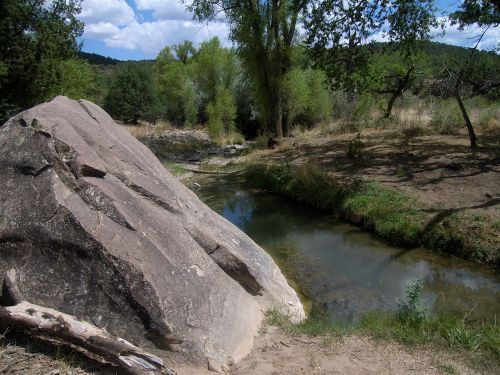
x=96, y=227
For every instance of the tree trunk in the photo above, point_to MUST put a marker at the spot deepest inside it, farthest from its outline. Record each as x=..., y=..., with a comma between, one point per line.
x=278, y=116
x=394, y=96
x=402, y=84
x=286, y=124
x=468, y=123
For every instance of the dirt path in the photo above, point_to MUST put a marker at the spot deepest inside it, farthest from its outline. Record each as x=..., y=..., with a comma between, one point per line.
x=278, y=354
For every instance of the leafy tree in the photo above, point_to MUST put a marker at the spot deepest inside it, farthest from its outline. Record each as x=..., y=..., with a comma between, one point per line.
x=391, y=74
x=338, y=29
x=264, y=32
x=132, y=95
x=215, y=71
x=176, y=85
x=35, y=35
x=410, y=22
x=221, y=115
x=480, y=12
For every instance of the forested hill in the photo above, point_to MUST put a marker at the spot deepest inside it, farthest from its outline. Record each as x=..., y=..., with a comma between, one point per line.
x=96, y=59
x=438, y=52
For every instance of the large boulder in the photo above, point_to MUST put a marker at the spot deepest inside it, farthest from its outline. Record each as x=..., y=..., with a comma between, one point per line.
x=96, y=227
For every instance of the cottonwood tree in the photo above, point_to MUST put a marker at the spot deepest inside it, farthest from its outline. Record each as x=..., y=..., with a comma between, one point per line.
x=263, y=32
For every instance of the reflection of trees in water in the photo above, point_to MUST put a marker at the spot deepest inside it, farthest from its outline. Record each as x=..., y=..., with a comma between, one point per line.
x=274, y=222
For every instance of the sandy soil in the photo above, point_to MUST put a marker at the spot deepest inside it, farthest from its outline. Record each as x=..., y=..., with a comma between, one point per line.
x=441, y=171
x=278, y=354
x=274, y=354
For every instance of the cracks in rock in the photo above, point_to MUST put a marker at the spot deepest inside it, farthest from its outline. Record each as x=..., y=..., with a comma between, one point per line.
x=12, y=239
x=100, y=201
x=148, y=195
x=87, y=110
x=28, y=170
x=227, y=261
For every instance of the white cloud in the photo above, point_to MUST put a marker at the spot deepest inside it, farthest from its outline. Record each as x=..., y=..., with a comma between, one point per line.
x=101, y=30
x=151, y=37
x=115, y=23
x=165, y=9
x=115, y=12
x=467, y=37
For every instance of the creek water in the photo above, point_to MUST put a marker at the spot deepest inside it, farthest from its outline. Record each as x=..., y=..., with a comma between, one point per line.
x=343, y=269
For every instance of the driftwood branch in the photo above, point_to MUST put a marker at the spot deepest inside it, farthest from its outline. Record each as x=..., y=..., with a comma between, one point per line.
x=52, y=323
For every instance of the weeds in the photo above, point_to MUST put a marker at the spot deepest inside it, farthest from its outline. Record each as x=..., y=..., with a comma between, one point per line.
x=410, y=325
x=411, y=307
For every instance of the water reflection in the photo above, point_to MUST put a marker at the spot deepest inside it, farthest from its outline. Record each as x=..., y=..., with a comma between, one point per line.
x=344, y=268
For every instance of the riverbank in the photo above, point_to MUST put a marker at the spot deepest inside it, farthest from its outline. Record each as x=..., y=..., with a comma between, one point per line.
x=411, y=188
x=393, y=215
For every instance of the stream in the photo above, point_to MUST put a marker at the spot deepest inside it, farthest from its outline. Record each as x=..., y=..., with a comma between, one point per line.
x=343, y=270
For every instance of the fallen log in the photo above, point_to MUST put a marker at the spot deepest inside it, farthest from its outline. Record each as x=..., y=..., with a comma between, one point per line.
x=52, y=323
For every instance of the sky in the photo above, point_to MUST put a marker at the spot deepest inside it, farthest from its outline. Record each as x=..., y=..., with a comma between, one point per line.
x=139, y=29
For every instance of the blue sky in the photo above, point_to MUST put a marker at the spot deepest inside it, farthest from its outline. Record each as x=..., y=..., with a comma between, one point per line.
x=139, y=29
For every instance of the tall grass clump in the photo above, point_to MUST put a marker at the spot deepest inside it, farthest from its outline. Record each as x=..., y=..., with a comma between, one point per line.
x=307, y=184
x=447, y=118
x=392, y=215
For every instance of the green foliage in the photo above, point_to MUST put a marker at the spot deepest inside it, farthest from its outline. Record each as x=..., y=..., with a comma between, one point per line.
x=76, y=79
x=132, y=95
x=307, y=99
x=199, y=85
x=221, y=114
x=177, y=91
x=481, y=12
x=35, y=36
x=393, y=215
x=216, y=71
x=264, y=33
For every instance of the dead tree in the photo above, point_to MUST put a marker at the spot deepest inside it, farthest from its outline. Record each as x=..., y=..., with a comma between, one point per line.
x=39, y=320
